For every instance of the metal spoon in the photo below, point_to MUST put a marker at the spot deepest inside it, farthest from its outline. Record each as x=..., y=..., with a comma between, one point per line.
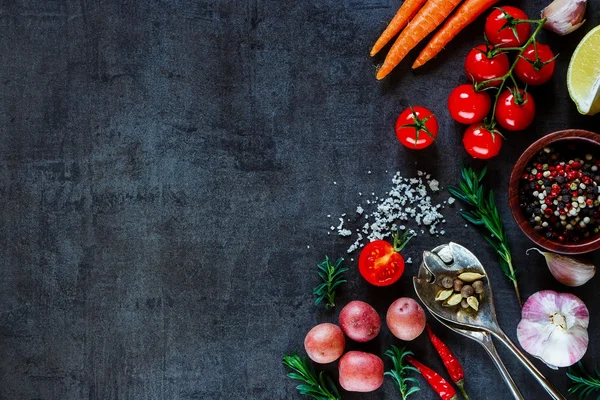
x=452, y=259
x=484, y=339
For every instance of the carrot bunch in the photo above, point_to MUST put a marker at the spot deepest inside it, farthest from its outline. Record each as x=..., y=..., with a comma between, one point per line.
x=419, y=18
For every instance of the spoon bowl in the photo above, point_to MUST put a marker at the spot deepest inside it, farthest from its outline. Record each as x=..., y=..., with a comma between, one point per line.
x=453, y=259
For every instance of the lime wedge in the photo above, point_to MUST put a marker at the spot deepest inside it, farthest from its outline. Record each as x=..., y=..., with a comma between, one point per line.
x=583, y=76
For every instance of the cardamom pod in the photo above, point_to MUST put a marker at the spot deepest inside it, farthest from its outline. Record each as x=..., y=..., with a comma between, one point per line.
x=473, y=302
x=470, y=276
x=454, y=299
x=443, y=294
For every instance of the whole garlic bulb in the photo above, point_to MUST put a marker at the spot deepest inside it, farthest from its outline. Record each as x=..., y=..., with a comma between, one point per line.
x=553, y=328
x=564, y=16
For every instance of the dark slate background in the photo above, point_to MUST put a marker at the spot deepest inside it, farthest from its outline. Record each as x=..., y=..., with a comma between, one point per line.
x=166, y=171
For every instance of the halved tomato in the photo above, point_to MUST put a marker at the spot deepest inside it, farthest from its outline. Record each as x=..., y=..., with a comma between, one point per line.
x=380, y=262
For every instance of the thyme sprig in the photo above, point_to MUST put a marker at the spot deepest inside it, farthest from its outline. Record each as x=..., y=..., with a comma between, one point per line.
x=584, y=384
x=319, y=387
x=484, y=213
x=332, y=276
x=399, y=373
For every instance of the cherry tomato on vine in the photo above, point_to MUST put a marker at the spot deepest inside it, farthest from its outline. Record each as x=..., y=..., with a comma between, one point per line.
x=515, y=110
x=535, y=67
x=468, y=106
x=502, y=29
x=381, y=263
x=484, y=63
x=416, y=128
x=481, y=142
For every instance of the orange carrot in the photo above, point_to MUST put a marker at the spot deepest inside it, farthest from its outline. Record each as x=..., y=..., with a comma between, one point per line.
x=408, y=10
x=466, y=13
x=433, y=13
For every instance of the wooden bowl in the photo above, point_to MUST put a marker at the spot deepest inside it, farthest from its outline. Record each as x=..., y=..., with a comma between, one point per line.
x=571, y=136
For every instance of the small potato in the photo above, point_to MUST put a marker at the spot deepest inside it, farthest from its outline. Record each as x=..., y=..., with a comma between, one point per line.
x=359, y=321
x=360, y=371
x=405, y=318
x=325, y=343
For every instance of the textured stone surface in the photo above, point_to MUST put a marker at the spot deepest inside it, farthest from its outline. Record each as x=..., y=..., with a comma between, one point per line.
x=165, y=166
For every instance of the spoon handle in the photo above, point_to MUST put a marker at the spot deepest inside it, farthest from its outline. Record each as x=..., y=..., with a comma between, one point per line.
x=552, y=391
x=489, y=347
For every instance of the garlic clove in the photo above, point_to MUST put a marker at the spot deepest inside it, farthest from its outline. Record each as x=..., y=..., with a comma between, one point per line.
x=564, y=16
x=553, y=328
x=567, y=270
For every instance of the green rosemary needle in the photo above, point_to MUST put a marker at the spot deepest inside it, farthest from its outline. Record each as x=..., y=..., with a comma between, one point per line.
x=319, y=387
x=484, y=213
x=406, y=384
x=332, y=276
x=584, y=384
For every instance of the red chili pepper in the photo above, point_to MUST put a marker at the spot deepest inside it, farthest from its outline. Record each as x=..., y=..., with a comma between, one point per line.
x=439, y=384
x=451, y=363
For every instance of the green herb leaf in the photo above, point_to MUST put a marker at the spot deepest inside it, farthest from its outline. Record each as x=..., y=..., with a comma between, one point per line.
x=406, y=385
x=319, y=387
x=332, y=276
x=584, y=384
x=485, y=214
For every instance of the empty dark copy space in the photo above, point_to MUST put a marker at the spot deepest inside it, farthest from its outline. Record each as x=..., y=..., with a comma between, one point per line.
x=167, y=169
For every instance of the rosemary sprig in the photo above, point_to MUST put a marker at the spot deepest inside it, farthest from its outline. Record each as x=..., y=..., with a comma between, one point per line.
x=485, y=213
x=332, y=276
x=400, y=372
x=319, y=387
x=584, y=383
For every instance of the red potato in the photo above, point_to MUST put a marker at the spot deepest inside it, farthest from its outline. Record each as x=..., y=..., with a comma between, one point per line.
x=325, y=343
x=406, y=319
x=360, y=371
x=359, y=321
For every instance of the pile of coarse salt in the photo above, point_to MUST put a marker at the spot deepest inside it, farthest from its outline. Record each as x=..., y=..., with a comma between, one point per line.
x=408, y=201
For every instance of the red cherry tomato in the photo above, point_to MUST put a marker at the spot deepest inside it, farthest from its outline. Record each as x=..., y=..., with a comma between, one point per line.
x=416, y=127
x=515, y=113
x=540, y=67
x=380, y=264
x=468, y=106
x=500, y=27
x=482, y=143
x=483, y=64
